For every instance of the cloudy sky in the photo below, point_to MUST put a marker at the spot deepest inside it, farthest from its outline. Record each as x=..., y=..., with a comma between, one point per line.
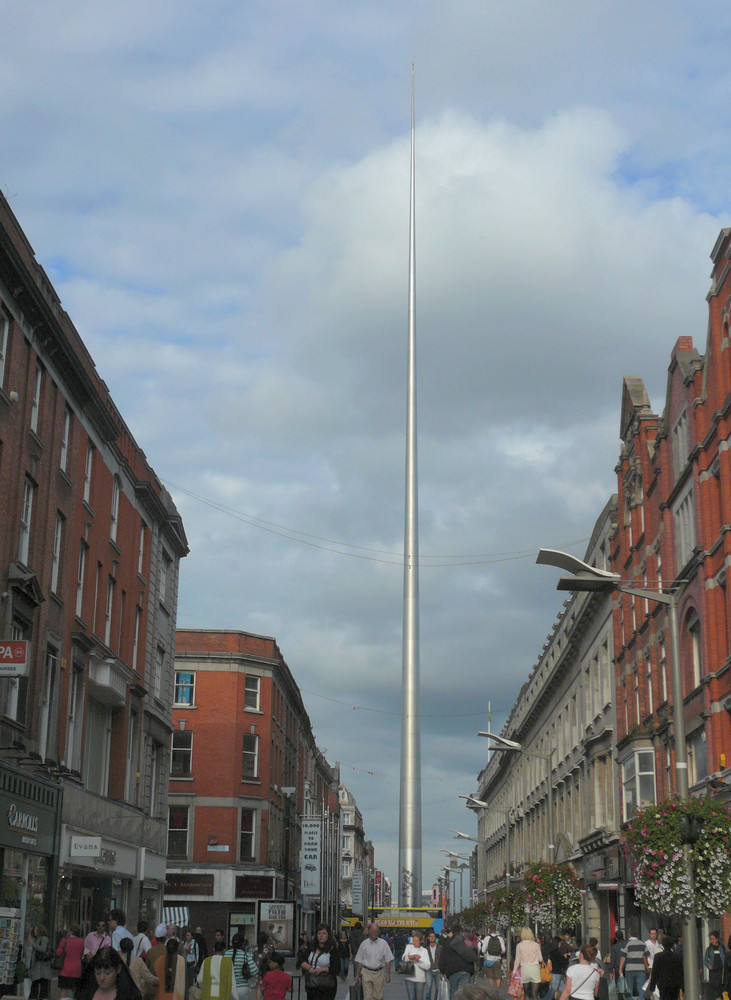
x=219, y=192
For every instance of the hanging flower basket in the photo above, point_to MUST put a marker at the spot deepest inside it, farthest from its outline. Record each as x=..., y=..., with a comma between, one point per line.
x=542, y=881
x=655, y=836
x=505, y=908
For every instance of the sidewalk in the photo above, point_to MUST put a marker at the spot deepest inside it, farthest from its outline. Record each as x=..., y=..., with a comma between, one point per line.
x=395, y=990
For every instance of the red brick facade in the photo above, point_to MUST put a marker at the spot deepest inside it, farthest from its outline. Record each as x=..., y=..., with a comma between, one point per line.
x=674, y=487
x=245, y=771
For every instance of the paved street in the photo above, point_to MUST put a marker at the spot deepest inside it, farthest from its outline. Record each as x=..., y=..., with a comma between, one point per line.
x=395, y=990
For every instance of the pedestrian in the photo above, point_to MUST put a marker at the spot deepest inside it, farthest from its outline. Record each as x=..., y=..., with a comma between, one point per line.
x=276, y=983
x=419, y=958
x=632, y=963
x=322, y=966
x=400, y=940
x=652, y=947
x=106, y=977
x=667, y=971
x=142, y=943
x=493, y=949
x=71, y=946
x=191, y=958
x=170, y=971
x=615, y=957
x=96, y=939
x=303, y=950
x=714, y=961
x=559, y=964
x=433, y=975
x=457, y=958
x=40, y=967
x=244, y=966
x=145, y=981
x=345, y=956
x=373, y=962
x=117, y=928
x=582, y=979
x=216, y=976
x=528, y=959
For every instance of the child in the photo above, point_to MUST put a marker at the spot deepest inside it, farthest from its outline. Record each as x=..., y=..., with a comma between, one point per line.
x=276, y=983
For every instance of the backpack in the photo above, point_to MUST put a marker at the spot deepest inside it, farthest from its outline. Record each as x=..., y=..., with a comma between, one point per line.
x=493, y=945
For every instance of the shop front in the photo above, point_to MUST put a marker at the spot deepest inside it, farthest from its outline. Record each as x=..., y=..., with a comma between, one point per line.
x=29, y=824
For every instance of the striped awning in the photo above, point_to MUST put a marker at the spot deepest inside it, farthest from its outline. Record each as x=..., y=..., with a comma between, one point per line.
x=178, y=915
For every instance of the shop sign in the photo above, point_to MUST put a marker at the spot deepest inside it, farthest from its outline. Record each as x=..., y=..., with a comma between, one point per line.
x=14, y=657
x=26, y=826
x=188, y=884
x=254, y=887
x=85, y=847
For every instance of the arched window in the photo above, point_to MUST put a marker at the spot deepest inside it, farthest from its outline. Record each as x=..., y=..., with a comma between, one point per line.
x=692, y=658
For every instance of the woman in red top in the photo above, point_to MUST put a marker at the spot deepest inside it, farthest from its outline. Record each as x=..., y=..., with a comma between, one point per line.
x=276, y=983
x=72, y=948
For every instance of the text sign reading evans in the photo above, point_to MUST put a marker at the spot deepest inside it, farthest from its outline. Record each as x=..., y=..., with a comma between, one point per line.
x=14, y=658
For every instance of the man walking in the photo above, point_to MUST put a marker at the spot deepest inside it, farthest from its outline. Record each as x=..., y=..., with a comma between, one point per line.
x=373, y=964
x=458, y=958
x=632, y=963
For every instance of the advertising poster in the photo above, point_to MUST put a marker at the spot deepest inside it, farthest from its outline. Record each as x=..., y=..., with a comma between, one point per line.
x=311, y=856
x=277, y=921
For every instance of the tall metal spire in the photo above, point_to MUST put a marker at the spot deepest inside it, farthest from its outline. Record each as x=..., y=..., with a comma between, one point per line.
x=409, y=893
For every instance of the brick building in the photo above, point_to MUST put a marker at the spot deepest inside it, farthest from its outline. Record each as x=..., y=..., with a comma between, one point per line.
x=90, y=544
x=674, y=486
x=245, y=774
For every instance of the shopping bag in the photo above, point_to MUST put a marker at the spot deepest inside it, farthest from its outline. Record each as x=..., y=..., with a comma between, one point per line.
x=356, y=990
x=622, y=986
x=515, y=989
x=443, y=989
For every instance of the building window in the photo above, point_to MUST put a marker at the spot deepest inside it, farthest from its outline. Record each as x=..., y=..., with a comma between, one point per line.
x=181, y=760
x=80, y=580
x=184, y=688
x=57, y=545
x=680, y=443
x=108, y=612
x=250, y=757
x=98, y=747
x=4, y=329
x=638, y=782
x=115, y=509
x=65, y=441
x=48, y=716
x=88, y=468
x=75, y=718
x=178, y=831
x=133, y=739
x=246, y=840
x=165, y=577
x=141, y=550
x=25, y=522
x=693, y=626
x=684, y=521
x=36, y=402
x=136, y=638
x=251, y=693
x=697, y=758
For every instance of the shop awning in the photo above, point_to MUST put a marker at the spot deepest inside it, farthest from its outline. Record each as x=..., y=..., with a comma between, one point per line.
x=178, y=915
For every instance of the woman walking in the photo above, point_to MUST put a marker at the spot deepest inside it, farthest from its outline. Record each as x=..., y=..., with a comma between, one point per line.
x=107, y=978
x=322, y=966
x=145, y=981
x=419, y=957
x=40, y=969
x=528, y=958
x=714, y=960
x=582, y=979
x=245, y=968
x=71, y=946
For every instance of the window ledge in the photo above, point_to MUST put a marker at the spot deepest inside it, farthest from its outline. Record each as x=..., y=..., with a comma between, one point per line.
x=184, y=706
x=253, y=711
x=65, y=476
x=87, y=507
x=251, y=781
x=182, y=777
x=116, y=548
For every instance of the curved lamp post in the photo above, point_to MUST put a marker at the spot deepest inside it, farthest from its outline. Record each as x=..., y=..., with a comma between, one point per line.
x=588, y=578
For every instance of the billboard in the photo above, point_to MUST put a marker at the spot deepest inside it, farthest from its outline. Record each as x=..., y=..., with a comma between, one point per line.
x=311, y=864
x=277, y=921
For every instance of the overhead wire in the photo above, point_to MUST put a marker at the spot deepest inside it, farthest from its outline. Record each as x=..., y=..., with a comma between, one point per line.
x=305, y=538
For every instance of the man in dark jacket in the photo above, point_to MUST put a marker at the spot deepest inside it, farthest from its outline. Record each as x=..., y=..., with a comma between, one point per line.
x=457, y=958
x=667, y=971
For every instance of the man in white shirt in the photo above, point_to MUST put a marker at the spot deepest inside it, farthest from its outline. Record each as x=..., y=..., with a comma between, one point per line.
x=652, y=947
x=117, y=920
x=373, y=964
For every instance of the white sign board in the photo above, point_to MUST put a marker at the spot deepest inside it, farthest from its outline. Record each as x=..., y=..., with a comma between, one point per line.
x=85, y=847
x=14, y=657
x=357, y=904
x=311, y=856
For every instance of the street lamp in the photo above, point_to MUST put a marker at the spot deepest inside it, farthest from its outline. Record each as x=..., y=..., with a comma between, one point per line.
x=475, y=803
x=588, y=578
x=451, y=888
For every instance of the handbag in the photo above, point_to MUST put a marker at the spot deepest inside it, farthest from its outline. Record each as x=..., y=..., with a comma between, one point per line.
x=443, y=989
x=58, y=960
x=546, y=976
x=405, y=968
x=318, y=984
x=622, y=985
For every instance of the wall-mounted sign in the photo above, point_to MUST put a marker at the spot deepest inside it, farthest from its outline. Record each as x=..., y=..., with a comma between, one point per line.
x=188, y=884
x=311, y=856
x=254, y=887
x=277, y=921
x=14, y=657
x=84, y=847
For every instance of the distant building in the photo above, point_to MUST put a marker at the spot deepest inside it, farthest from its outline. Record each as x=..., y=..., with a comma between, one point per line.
x=352, y=850
x=246, y=776
x=90, y=545
x=564, y=712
